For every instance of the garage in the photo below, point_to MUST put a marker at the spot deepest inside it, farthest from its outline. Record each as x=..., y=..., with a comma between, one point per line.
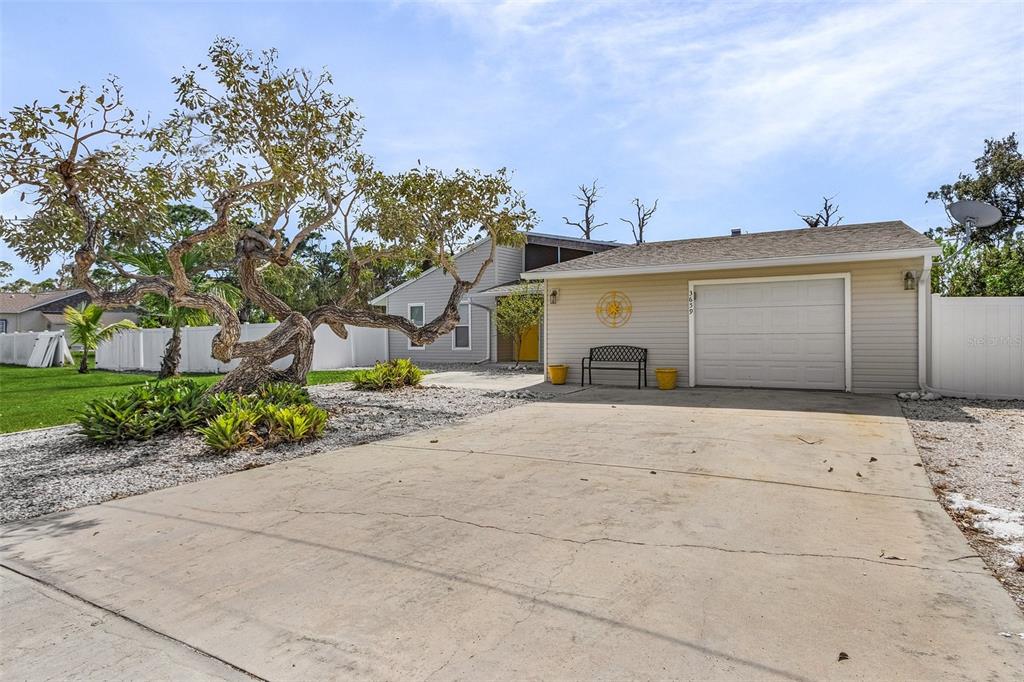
x=842, y=309
x=771, y=332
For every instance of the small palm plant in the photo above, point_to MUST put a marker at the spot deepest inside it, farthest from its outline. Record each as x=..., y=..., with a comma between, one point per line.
x=167, y=314
x=85, y=327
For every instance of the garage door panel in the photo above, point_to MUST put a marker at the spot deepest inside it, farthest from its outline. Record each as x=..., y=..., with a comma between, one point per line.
x=784, y=334
x=822, y=318
x=770, y=319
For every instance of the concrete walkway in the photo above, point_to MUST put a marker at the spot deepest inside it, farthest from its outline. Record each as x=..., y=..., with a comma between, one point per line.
x=611, y=534
x=488, y=380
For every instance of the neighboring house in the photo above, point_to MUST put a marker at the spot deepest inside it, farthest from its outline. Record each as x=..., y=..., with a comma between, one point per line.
x=44, y=311
x=476, y=339
x=841, y=308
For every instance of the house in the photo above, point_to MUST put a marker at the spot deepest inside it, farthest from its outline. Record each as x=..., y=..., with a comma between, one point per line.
x=44, y=311
x=476, y=338
x=840, y=308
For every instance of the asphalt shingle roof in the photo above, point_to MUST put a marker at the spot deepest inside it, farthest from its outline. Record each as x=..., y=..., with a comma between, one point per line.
x=15, y=302
x=819, y=241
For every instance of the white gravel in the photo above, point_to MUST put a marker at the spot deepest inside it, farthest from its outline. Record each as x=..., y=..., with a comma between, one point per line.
x=973, y=451
x=56, y=469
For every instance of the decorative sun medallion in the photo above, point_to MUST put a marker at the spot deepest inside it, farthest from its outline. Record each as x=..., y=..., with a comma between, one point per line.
x=614, y=309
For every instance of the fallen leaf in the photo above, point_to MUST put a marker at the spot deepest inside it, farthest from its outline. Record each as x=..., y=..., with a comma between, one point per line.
x=830, y=470
x=843, y=656
x=873, y=459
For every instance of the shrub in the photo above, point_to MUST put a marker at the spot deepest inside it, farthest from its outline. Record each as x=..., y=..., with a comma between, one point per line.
x=277, y=412
x=283, y=393
x=143, y=411
x=292, y=423
x=388, y=375
x=229, y=431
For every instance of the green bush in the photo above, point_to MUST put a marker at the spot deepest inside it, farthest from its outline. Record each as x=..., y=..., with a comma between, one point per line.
x=389, y=375
x=145, y=411
x=277, y=412
x=229, y=431
x=292, y=423
x=283, y=393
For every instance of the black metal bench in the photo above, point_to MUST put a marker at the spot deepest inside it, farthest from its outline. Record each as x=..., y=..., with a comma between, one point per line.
x=636, y=357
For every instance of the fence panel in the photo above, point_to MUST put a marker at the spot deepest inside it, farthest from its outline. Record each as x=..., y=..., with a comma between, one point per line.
x=977, y=346
x=143, y=349
x=16, y=347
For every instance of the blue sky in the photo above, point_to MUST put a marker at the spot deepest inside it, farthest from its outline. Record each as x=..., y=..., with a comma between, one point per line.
x=731, y=114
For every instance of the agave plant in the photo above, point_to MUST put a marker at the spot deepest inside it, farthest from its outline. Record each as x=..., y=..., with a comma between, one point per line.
x=86, y=328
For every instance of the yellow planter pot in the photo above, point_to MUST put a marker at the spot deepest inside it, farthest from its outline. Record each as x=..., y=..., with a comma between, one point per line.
x=666, y=378
x=557, y=373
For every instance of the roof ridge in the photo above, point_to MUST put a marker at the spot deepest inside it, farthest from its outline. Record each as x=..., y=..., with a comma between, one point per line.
x=771, y=232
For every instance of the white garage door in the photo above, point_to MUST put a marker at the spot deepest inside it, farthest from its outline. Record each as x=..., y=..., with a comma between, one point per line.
x=788, y=334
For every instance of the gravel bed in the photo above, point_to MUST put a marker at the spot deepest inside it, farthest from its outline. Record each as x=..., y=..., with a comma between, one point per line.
x=56, y=469
x=973, y=451
x=501, y=368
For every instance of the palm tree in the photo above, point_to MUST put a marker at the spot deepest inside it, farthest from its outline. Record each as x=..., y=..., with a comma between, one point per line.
x=85, y=327
x=164, y=312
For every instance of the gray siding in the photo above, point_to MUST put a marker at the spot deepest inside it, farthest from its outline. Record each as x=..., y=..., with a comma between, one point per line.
x=433, y=290
x=883, y=320
x=509, y=264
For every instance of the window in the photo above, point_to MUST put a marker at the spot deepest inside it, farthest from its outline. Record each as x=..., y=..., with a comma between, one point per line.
x=461, y=337
x=3, y=326
x=416, y=314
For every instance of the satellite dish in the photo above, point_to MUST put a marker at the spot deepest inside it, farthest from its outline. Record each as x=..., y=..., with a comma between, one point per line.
x=972, y=214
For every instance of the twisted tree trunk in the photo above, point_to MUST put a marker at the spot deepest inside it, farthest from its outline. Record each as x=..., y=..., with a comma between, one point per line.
x=172, y=354
x=293, y=335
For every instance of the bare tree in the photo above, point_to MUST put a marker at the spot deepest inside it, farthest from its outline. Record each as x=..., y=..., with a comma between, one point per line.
x=826, y=217
x=587, y=197
x=643, y=216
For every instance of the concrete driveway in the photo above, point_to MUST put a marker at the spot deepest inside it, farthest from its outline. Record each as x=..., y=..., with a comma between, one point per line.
x=607, y=534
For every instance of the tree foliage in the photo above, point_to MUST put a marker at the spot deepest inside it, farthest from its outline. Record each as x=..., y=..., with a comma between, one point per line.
x=519, y=312
x=998, y=179
x=979, y=269
x=274, y=155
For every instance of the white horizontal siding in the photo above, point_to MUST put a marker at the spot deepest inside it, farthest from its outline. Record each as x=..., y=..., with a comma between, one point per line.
x=883, y=320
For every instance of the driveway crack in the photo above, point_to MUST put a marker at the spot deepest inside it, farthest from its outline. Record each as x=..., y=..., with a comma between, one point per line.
x=608, y=539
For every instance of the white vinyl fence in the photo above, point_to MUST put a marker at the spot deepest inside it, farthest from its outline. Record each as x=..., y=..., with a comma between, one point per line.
x=143, y=349
x=35, y=349
x=15, y=348
x=977, y=346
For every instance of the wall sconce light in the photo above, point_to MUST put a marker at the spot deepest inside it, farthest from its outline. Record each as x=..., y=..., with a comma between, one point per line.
x=553, y=296
x=909, y=280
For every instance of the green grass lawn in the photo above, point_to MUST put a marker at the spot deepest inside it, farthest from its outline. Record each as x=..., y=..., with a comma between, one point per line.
x=32, y=397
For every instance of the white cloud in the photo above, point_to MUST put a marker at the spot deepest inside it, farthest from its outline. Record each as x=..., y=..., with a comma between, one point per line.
x=723, y=86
